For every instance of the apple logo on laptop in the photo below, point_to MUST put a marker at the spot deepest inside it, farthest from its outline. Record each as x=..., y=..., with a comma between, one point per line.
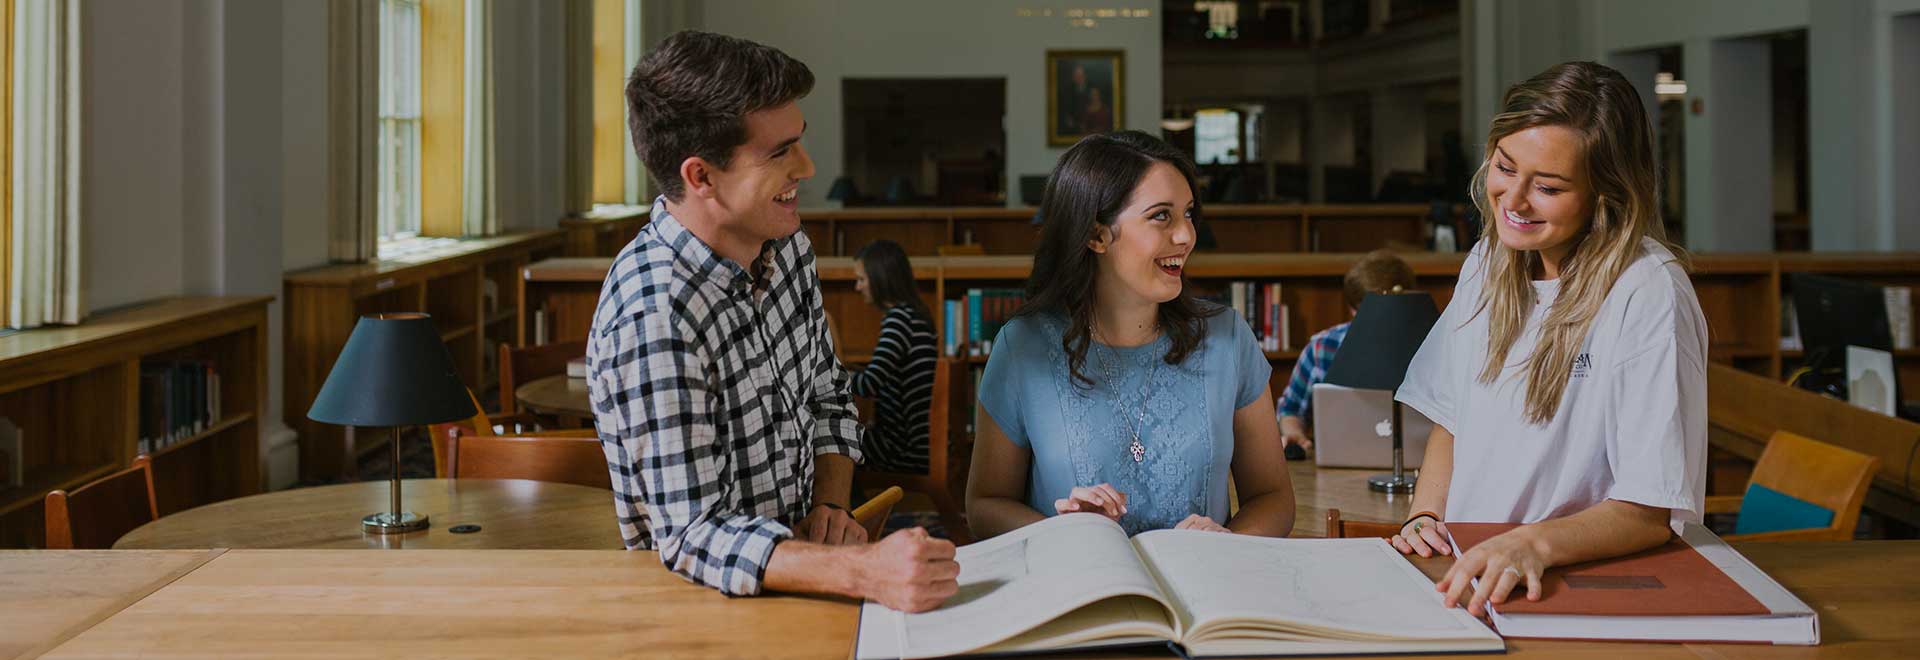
x=1384, y=429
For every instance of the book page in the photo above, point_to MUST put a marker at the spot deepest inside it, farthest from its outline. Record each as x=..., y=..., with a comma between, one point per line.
x=1017, y=582
x=1320, y=589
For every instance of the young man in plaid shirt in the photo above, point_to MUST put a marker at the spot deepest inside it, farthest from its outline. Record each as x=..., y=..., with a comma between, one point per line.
x=1378, y=272
x=729, y=432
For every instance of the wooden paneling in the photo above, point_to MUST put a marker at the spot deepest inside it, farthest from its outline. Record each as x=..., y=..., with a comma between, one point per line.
x=442, y=57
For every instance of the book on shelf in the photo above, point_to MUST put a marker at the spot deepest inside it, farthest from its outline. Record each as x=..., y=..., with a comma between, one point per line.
x=178, y=399
x=1695, y=588
x=974, y=321
x=1076, y=582
x=1260, y=305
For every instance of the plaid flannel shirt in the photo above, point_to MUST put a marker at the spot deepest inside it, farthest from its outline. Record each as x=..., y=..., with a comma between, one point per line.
x=1312, y=368
x=712, y=397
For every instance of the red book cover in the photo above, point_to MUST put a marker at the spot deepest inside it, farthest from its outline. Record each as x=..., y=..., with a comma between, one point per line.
x=1670, y=580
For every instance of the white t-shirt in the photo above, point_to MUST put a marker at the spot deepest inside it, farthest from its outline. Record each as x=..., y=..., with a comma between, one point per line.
x=1632, y=423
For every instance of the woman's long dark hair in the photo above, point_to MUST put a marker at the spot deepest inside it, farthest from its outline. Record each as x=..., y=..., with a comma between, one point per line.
x=890, y=277
x=1087, y=190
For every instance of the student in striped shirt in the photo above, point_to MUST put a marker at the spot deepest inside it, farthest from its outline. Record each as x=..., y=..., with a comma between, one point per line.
x=900, y=377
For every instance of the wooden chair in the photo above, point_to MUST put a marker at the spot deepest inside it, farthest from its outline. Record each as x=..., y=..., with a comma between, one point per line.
x=93, y=516
x=482, y=423
x=561, y=459
x=519, y=365
x=952, y=395
x=1357, y=529
x=1801, y=490
x=872, y=515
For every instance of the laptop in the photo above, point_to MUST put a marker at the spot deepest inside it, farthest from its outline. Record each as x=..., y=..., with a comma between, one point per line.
x=1354, y=428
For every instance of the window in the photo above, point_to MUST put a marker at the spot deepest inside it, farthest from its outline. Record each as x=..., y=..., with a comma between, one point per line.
x=399, y=143
x=616, y=47
x=1216, y=137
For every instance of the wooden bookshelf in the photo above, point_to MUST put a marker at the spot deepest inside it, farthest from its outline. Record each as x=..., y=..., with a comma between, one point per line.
x=602, y=232
x=1011, y=231
x=75, y=394
x=472, y=290
x=1739, y=294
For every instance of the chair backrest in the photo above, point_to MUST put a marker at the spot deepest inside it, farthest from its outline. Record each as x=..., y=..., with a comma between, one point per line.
x=93, y=516
x=957, y=249
x=519, y=365
x=872, y=515
x=437, y=434
x=1357, y=529
x=1799, y=482
x=562, y=459
x=947, y=412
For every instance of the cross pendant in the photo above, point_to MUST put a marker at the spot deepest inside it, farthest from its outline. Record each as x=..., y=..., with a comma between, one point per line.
x=1139, y=452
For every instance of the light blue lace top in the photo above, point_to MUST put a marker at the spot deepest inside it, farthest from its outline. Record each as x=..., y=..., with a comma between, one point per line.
x=1080, y=436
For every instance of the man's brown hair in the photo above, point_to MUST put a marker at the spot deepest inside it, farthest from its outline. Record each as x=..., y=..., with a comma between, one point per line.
x=691, y=97
x=1378, y=272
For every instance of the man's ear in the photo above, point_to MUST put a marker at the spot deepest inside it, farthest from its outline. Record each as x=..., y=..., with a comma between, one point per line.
x=1102, y=236
x=696, y=175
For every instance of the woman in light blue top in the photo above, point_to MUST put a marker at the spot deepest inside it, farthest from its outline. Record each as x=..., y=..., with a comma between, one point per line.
x=1113, y=391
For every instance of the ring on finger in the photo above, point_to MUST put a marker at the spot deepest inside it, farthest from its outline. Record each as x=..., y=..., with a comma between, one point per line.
x=1516, y=572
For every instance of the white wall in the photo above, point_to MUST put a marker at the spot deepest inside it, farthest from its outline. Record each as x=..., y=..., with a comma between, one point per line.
x=924, y=39
x=131, y=180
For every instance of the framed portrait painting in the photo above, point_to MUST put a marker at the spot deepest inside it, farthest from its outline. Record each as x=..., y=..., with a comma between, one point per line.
x=1084, y=94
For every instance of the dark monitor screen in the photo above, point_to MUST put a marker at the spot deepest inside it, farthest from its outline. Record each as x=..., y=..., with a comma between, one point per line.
x=1835, y=313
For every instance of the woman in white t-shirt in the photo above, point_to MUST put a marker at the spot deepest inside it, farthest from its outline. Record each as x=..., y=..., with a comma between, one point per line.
x=1567, y=377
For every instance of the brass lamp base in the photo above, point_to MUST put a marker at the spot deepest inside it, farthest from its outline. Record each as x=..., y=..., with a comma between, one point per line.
x=390, y=523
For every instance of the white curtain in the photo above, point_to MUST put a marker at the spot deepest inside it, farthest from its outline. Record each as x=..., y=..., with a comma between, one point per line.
x=479, y=206
x=44, y=244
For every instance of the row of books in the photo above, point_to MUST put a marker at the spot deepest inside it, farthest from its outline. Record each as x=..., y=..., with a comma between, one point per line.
x=1259, y=304
x=972, y=322
x=177, y=400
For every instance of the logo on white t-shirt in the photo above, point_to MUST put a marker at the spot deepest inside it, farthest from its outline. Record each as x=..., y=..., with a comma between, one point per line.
x=1582, y=364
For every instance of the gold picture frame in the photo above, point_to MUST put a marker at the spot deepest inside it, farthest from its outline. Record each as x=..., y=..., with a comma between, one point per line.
x=1086, y=94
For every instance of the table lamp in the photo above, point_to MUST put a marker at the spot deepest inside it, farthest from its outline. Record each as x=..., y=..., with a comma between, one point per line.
x=394, y=372
x=1386, y=332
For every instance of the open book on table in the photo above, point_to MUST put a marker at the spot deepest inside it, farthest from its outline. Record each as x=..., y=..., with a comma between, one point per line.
x=1077, y=582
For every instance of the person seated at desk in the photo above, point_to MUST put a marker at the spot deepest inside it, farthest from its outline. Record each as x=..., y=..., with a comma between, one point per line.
x=899, y=378
x=728, y=429
x=1113, y=390
x=1378, y=272
x=1567, y=377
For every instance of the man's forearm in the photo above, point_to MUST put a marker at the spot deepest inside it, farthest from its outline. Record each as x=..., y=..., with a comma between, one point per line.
x=833, y=480
x=811, y=568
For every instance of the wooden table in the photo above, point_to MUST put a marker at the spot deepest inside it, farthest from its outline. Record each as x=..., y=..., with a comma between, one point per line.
x=511, y=513
x=50, y=596
x=1316, y=489
x=558, y=396
x=329, y=603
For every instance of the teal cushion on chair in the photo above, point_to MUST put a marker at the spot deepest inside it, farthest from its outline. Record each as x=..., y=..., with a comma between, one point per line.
x=1764, y=509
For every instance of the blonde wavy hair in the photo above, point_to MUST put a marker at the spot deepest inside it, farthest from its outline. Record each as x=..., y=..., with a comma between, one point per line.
x=1597, y=104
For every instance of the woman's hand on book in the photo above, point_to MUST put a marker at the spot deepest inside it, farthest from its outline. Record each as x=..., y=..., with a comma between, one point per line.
x=1423, y=535
x=1201, y=523
x=1501, y=563
x=1102, y=499
x=909, y=571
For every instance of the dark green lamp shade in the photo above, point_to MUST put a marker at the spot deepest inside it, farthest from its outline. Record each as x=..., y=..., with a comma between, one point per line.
x=395, y=371
x=1386, y=331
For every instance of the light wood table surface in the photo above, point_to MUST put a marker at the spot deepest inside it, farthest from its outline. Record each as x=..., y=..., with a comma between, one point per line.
x=511, y=513
x=47, y=597
x=325, y=603
x=1316, y=489
x=557, y=395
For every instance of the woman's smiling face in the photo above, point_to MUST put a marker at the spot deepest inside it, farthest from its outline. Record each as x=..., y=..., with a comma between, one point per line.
x=1538, y=187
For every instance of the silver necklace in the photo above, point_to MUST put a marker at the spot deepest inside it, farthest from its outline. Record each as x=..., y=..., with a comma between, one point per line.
x=1135, y=449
